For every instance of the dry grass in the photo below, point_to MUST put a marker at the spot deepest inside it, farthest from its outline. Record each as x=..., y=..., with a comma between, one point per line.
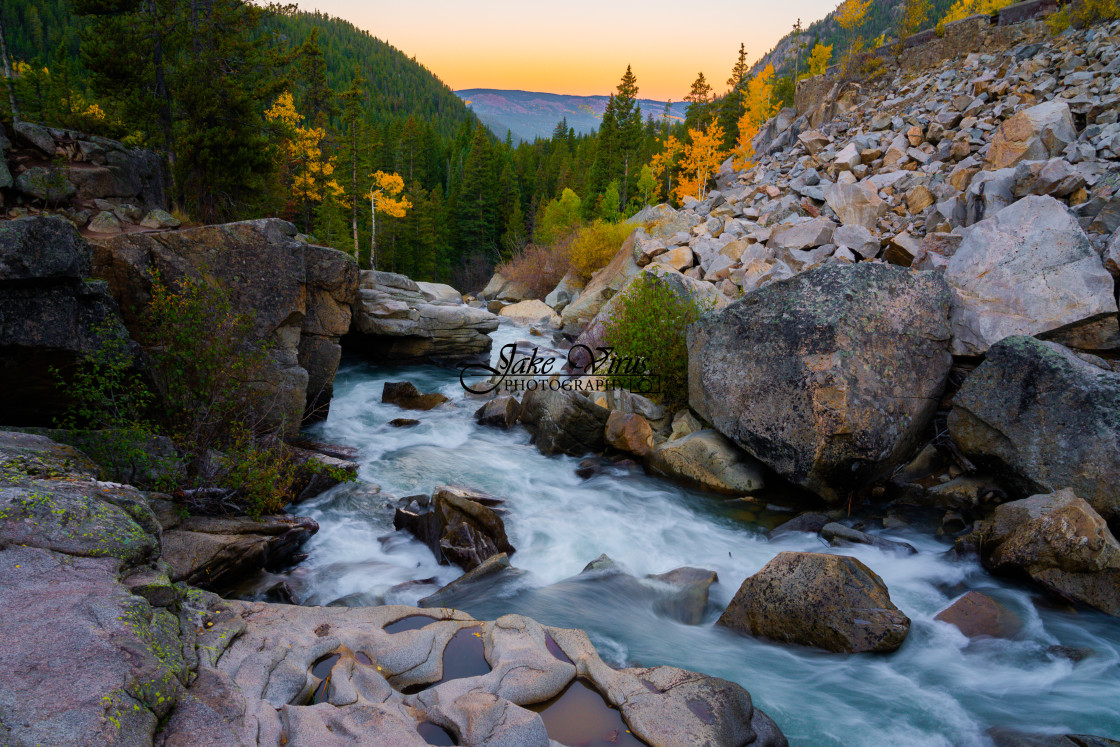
x=538, y=267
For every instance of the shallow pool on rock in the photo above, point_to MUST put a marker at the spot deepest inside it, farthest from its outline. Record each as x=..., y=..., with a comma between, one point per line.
x=938, y=689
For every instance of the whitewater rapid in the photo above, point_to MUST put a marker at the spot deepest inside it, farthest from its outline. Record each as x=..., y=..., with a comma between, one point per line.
x=938, y=689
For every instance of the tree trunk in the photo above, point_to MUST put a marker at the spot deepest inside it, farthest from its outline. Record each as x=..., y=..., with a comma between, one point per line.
x=163, y=94
x=372, y=231
x=354, y=189
x=8, y=77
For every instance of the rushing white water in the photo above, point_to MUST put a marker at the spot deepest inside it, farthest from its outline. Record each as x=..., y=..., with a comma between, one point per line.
x=938, y=689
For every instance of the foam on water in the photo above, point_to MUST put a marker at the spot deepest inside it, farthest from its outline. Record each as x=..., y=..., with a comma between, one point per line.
x=938, y=689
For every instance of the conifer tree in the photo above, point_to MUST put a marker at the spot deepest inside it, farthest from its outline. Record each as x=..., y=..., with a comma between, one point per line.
x=698, y=103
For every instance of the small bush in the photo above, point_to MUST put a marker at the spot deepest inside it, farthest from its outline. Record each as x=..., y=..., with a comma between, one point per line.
x=1082, y=13
x=206, y=403
x=538, y=267
x=650, y=323
x=594, y=246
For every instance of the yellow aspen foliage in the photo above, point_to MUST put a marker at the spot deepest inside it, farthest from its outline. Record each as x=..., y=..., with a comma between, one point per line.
x=851, y=13
x=384, y=193
x=310, y=172
x=966, y=8
x=819, y=59
x=699, y=160
x=758, y=106
x=662, y=165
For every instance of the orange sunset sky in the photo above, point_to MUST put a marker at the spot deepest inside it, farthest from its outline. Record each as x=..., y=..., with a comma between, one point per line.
x=579, y=46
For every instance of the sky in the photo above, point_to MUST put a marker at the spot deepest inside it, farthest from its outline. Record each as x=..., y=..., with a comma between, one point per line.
x=579, y=47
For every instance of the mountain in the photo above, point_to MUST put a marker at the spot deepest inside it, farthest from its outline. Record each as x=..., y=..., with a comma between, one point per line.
x=398, y=86
x=529, y=114
x=881, y=18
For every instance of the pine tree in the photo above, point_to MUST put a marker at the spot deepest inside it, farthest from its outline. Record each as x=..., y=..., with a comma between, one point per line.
x=698, y=103
x=628, y=117
x=317, y=97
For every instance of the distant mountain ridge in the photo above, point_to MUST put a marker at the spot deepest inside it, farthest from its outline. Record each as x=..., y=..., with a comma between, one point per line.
x=532, y=114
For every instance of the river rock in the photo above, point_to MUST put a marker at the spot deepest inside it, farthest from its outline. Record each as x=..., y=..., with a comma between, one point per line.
x=1027, y=269
x=1058, y=541
x=501, y=288
x=531, y=312
x=977, y=614
x=439, y=292
x=564, y=421
x=830, y=377
x=815, y=599
x=839, y=535
x=51, y=316
x=458, y=528
x=395, y=322
x=1043, y=419
x=707, y=460
x=404, y=394
x=1037, y=133
x=216, y=552
x=502, y=411
x=1012, y=738
x=250, y=685
x=629, y=432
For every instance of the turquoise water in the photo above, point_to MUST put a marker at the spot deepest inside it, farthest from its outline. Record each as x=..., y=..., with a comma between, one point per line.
x=938, y=689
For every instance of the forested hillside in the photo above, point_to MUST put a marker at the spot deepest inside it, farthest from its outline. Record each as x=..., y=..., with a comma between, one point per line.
x=267, y=111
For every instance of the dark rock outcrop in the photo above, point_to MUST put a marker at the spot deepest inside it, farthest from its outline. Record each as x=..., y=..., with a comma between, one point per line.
x=814, y=599
x=1043, y=419
x=51, y=315
x=564, y=422
x=831, y=377
x=297, y=295
x=216, y=552
x=459, y=528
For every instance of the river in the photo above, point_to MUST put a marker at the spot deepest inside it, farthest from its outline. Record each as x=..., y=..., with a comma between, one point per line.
x=938, y=689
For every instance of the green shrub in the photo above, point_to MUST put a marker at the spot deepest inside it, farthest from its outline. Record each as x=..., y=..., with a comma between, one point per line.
x=649, y=322
x=594, y=246
x=558, y=218
x=205, y=402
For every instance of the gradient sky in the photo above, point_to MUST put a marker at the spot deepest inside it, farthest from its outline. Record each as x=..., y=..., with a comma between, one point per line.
x=577, y=46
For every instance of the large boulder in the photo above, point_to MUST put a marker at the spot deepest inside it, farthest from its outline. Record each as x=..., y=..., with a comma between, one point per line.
x=531, y=312
x=707, y=460
x=1027, y=269
x=816, y=599
x=1058, y=541
x=287, y=287
x=830, y=377
x=51, y=316
x=395, y=321
x=215, y=552
x=1043, y=419
x=856, y=204
x=46, y=183
x=564, y=421
x=459, y=527
x=1033, y=134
